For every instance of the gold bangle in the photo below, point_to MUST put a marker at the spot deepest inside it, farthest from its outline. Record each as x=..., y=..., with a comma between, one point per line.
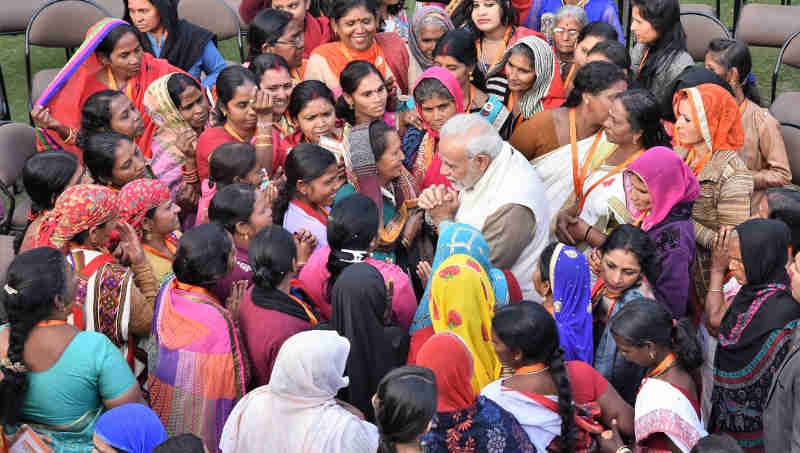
x=715, y=290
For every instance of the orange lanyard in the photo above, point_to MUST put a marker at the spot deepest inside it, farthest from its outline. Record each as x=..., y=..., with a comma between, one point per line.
x=579, y=175
x=742, y=107
x=379, y=60
x=498, y=55
x=571, y=75
x=194, y=289
x=510, y=103
x=662, y=367
x=531, y=368
x=700, y=164
x=112, y=83
x=608, y=175
x=51, y=322
x=644, y=58
x=305, y=308
x=233, y=133
x=471, y=95
x=641, y=217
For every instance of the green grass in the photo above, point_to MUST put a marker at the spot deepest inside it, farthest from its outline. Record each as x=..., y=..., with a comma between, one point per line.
x=12, y=59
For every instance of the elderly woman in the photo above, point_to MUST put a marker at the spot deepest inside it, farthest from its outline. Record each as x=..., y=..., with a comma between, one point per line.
x=527, y=79
x=427, y=27
x=568, y=22
x=542, y=15
x=754, y=330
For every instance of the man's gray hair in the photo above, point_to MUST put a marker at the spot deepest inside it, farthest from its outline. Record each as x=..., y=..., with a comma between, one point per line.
x=573, y=11
x=480, y=137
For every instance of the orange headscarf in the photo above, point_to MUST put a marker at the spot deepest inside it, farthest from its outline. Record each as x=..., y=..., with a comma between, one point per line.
x=449, y=358
x=715, y=114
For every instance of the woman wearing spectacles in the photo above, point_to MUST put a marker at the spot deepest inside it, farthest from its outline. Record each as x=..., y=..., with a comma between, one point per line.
x=273, y=31
x=569, y=21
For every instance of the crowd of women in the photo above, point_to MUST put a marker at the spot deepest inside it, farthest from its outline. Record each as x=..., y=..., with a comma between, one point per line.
x=254, y=257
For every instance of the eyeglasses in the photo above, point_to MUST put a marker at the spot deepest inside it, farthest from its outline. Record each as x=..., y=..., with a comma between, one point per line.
x=297, y=43
x=570, y=33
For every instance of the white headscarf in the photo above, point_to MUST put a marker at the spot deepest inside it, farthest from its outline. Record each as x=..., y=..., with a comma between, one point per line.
x=544, y=65
x=296, y=412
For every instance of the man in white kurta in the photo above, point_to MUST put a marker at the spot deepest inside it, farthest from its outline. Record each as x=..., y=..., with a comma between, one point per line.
x=498, y=192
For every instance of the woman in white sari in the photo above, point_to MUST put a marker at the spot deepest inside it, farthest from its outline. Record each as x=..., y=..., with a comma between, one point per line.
x=297, y=412
x=598, y=203
x=577, y=127
x=667, y=410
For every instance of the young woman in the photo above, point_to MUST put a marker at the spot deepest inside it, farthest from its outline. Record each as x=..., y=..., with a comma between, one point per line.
x=37, y=387
x=312, y=109
x=274, y=77
x=145, y=205
x=45, y=175
x=312, y=30
x=114, y=159
x=243, y=114
x=274, y=308
x=464, y=419
x=235, y=162
x=625, y=265
x=404, y=406
x=111, y=57
x=376, y=170
x=356, y=24
x=243, y=211
x=456, y=52
x=271, y=31
x=563, y=280
x=526, y=79
x=592, y=34
x=708, y=135
x=364, y=95
x=555, y=136
x=427, y=27
x=180, y=112
x=351, y=233
x=361, y=311
x=660, y=54
x=120, y=302
x=611, y=52
x=181, y=43
x=660, y=191
x=567, y=24
x=598, y=201
x=667, y=415
x=298, y=409
x=459, y=239
x=132, y=427
x=763, y=150
x=541, y=392
x=312, y=179
x=542, y=16
x=438, y=97
x=191, y=326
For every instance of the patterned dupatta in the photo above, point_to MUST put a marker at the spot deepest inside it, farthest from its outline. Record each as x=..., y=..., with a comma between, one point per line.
x=199, y=373
x=362, y=173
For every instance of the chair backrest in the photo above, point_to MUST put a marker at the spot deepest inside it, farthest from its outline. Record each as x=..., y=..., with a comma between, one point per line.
x=791, y=137
x=17, y=144
x=701, y=29
x=16, y=14
x=62, y=23
x=789, y=55
x=213, y=15
x=767, y=25
x=115, y=7
x=234, y=5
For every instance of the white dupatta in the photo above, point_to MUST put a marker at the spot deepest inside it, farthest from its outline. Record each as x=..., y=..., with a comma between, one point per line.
x=662, y=408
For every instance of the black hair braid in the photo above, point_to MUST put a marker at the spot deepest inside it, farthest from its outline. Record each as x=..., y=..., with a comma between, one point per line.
x=558, y=371
x=386, y=445
x=687, y=348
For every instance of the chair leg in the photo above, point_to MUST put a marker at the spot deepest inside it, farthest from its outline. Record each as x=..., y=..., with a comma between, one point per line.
x=5, y=109
x=737, y=7
x=629, y=38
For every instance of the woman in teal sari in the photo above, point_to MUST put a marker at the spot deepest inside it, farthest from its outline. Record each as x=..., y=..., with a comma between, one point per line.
x=53, y=377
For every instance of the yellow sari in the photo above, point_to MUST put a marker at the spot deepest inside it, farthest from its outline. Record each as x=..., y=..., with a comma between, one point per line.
x=463, y=302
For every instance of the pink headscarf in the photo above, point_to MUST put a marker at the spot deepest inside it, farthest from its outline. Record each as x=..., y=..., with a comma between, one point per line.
x=668, y=179
x=449, y=81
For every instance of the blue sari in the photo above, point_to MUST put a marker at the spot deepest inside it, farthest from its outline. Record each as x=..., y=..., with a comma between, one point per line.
x=572, y=304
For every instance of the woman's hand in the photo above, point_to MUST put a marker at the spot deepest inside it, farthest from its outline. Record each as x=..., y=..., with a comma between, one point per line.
x=565, y=219
x=262, y=104
x=411, y=118
x=594, y=261
x=424, y=272
x=186, y=142
x=610, y=440
x=719, y=252
x=130, y=247
x=42, y=118
x=412, y=227
x=306, y=243
x=234, y=301
x=187, y=197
